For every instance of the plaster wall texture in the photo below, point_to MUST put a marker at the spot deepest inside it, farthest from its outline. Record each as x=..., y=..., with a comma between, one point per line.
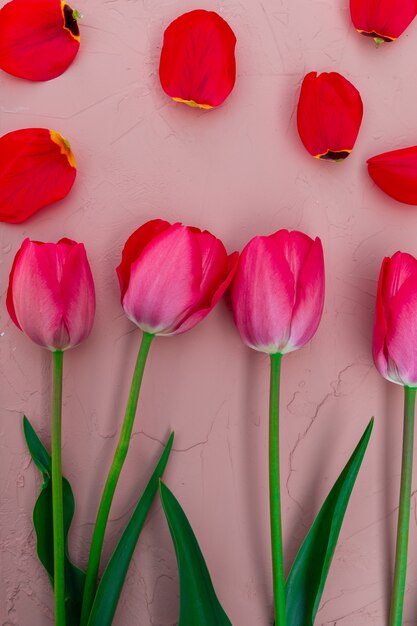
x=239, y=171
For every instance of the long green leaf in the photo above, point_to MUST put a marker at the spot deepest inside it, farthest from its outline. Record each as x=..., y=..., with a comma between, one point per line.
x=199, y=605
x=110, y=587
x=42, y=520
x=306, y=580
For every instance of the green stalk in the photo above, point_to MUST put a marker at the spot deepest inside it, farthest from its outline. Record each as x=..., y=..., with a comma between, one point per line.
x=274, y=494
x=112, y=479
x=400, y=572
x=57, y=500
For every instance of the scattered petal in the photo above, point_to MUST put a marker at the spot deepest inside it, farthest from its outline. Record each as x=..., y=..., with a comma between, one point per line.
x=396, y=174
x=39, y=39
x=383, y=20
x=329, y=115
x=198, y=64
x=37, y=168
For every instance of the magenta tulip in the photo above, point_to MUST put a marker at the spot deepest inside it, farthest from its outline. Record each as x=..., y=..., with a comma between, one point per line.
x=51, y=299
x=51, y=293
x=277, y=298
x=395, y=356
x=278, y=291
x=395, y=330
x=171, y=276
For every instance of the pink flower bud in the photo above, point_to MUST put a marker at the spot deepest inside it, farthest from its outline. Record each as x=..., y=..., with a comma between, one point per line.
x=171, y=276
x=51, y=294
x=395, y=329
x=278, y=291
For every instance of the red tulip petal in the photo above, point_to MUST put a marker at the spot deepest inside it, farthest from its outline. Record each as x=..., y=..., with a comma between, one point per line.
x=263, y=294
x=37, y=168
x=214, y=263
x=39, y=39
x=193, y=319
x=78, y=314
x=197, y=63
x=296, y=247
x=134, y=247
x=380, y=324
x=396, y=174
x=164, y=281
x=329, y=115
x=9, y=299
x=401, y=339
x=382, y=19
x=309, y=298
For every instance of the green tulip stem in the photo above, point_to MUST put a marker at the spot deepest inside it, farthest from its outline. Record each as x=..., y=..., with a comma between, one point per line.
x=274, y=494
x=57, y=499
x=112, y=479
x=400, y=572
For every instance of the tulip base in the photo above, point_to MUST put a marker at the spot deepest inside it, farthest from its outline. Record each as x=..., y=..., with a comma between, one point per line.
x=275, y=494
x=400, y=573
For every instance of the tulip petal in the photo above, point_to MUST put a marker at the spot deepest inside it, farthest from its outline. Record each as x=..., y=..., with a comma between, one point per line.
x=77, y=290
x=165, y=281
x=295, y=246
x=37, y=168
x=382, y=19
x=9, y=297
x=197, y=63
x=39, y=39
x=380, y=325
x=400, y=268
x=329, y=115
x=196, y=317
x=134, y=247
x=396, y=174
x=401, y=339
x=263, y=296
x=309, y=297
x=392, y=328
x=214, y=263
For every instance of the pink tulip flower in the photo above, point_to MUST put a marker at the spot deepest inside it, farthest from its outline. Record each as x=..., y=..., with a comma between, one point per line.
x=51, y=294
x=278, y=291
x=395, y=329
x=171, y=276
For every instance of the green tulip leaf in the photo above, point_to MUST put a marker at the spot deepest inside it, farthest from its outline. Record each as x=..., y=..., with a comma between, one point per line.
x=306, y=580
x=111, y=583
x=42, y=521
x=198, y=601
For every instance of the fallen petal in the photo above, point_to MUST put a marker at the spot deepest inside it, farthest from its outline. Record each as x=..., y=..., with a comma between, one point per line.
x=37, y=168
x=39, y=39
x=396, y=174
x=198, y=64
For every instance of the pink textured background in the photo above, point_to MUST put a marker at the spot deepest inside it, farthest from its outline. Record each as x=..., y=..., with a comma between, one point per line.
x=238, y=171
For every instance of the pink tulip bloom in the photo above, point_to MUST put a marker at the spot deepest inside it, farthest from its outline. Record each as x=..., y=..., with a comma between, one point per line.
x=395, y=329
x=51, y=294
x=278, y=291
x=171, y=276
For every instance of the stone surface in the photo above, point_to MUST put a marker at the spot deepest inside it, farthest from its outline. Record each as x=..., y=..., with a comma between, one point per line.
x=240, y=170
